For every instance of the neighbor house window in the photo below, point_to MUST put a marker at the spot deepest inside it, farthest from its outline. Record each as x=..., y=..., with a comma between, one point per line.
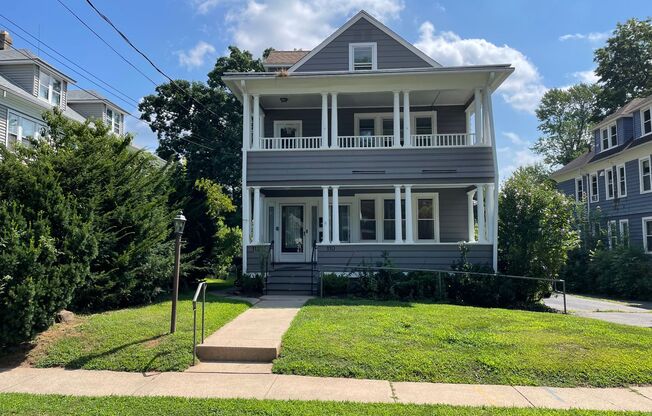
x=647, y=234
x=612, y=234
x=367, y=219
x=579, y=189
x=362, y=57
x=609, y=183
x=389, y=219
x=646, y=121
x=645, y=175
x=623, y=226
x=609, y=137
x=22, y=130
x=425, y=219
x=49, y=88
x=622, y=180
x=593, y=178
x=113, y=120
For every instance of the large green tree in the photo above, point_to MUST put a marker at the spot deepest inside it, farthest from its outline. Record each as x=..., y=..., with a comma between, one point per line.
x=564, y=119
x=625, y=65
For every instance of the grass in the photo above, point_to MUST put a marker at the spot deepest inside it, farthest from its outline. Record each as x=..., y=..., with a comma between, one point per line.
x=26, y=404
x=219, y=284
x=456, y=344
x=134, y=339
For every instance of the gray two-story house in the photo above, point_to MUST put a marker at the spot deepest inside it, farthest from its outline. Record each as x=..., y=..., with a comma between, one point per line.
x=614, y=179
x=366, y=146
x=29, y=86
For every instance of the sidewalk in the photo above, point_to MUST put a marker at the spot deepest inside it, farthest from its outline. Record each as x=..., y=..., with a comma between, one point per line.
x=286, y=387
x=619, y=312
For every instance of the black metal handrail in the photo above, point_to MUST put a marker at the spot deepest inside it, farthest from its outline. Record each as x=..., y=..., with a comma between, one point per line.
x=313, y=266
x=201, y=289
x=350, y=268
x=269, y=262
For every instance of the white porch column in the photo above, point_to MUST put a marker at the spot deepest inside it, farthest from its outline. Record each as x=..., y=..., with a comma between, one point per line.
x=477, y=101
x=325, y=222
x=334, y=120
x=397, y=119
x=486, y=127
x=398, y=218
x=490, y=213
x=409, y=238
x=256, y=138
x=482, y=235
x=471, y=221
x=257, y=210
x=246, y=122
x=407, y=139
x=246, y=212
x=324, y=120
x=335, y=238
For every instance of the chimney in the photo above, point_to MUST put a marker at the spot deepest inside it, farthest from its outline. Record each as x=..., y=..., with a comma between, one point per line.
x=5, y=40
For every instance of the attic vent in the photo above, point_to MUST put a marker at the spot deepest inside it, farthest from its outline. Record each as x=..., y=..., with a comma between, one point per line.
x=368, y=172
x=439, y=171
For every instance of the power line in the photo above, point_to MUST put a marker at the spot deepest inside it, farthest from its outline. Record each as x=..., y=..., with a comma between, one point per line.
x=159, y=70
x=25, y=54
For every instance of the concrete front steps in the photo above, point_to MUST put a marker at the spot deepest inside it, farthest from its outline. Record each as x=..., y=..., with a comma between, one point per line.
x=292, y=279
x=255, y=335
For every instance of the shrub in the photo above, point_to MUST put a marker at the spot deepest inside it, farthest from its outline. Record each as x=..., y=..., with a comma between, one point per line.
x=252, y=284
x=335, y=284
x=624, y=272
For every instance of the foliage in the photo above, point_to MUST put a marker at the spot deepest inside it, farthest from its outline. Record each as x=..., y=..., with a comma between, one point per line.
x=442, y=343
x=335, y=284
x=135, y=339
x=564, y=120
x=536, y=230
x=252, y=284
x=20, y=404
x=624, y=65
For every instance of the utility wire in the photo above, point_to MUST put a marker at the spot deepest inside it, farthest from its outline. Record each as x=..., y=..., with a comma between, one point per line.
x=25, y=54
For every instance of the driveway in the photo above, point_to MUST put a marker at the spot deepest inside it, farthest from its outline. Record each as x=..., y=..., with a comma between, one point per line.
x=621, y=312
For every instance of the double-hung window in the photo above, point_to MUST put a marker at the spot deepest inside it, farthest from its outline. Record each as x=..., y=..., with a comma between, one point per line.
x=621, y=175
x=425, y=218
x=344, y=222
x=368, y=219
x=593, y=187
x=49, y=88
x=22, y=130
x=113, y=120
x=647, y=234
x=609, y=136
x=609, y=183
x=624, y=231
x=646, y=121
x=389, y=219
x=645, y=175
x=579, y=189
x=612, y=234
x=363, y=56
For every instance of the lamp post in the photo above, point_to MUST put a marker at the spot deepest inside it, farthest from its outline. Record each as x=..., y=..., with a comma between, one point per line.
x=179, y=224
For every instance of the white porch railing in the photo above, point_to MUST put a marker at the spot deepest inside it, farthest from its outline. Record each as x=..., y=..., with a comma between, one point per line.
x=281, y=143
x=443, y=140
x=365, y=142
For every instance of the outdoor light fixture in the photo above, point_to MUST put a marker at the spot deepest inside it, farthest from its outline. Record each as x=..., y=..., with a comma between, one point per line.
x=179, y=224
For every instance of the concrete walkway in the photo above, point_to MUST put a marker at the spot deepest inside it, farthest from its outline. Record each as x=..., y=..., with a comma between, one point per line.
x=288, y=387
x=255, y=335
x=620, y=312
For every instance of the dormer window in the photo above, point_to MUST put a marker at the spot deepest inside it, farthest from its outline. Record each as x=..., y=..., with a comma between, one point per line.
x=609, y=137
x=113, y=120
x=646, y=121
x=49, y=88
x=362, y=57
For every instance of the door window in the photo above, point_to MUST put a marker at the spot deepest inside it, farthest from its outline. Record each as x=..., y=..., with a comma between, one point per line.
x=292, y=229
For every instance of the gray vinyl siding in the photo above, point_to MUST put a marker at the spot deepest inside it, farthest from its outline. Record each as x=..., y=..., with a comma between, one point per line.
x=464, y=165
x=453, y=213
x=335, y=56
x=94, y=111
x=416, y=256
x=450, y=119
x=4, y=116
x=22, y=76
x=255, y=256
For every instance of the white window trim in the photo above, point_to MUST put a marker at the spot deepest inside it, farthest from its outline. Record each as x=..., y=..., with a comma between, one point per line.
x=640, y=174
x=374, y=55
x=608, y=129
x=111, y=123
x=621, y=231
x=643, y=133
x=282, y=123
x=648, y=250
x=39, y=124
x=623, y=177
x=594, y=197
x=577, y=194
x=612, y=226
x=50, y=89
x=606, y=184
x=379, y=117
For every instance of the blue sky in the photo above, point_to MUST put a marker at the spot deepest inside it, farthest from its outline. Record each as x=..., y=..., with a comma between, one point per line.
x=550, y=43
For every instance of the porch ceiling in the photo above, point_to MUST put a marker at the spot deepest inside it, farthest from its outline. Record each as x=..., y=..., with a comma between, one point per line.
x=372, y=99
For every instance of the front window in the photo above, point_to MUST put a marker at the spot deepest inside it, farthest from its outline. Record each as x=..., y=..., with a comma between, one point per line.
x=113, y=119
x=579, y=189
x=609, y=183
x=368, y=219
x=646, y=120
x=345, y=222
x=22, y=130
x=647, y=234
x=426, y=219
x=362, y=57
x=609, y=137
x=645, y=175
x=594, y=187
x=612, y=234
x=622, y=181
x=624, y=232
x=389, y=219
x=367, y=127
x=49, y=89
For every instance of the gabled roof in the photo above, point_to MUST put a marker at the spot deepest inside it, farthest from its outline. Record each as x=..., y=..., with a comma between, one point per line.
x=283, y=58
x=91, y=96
x=364, y=15
x=624, y=111
x=24, y=56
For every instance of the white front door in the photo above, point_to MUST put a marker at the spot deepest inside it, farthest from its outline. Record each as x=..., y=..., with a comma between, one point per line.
x=294, y=242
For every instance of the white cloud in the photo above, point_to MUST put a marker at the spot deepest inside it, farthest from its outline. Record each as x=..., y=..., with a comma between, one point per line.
x=298, y=24
x=587, y=76
x=515, y=154
x=143, y=135
x=196, y=56
x=522, y=90
x=515, y=138
x=205, y=6
x=595, y=37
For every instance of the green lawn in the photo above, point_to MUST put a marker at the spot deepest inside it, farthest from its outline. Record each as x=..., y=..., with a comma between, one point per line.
x=136, y=339
x=456, y=344
x=219, y=284
x=26, y=404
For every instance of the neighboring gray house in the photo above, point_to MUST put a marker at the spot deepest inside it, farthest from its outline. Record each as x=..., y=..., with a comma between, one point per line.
x=615, y=176
x=29, y=86
x=93, y=106
x=365, y=146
